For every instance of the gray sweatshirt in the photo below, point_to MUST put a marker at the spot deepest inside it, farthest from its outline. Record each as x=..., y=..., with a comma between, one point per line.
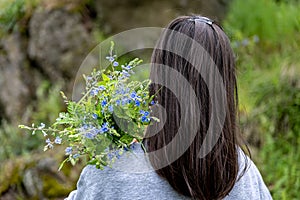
x=132, y=177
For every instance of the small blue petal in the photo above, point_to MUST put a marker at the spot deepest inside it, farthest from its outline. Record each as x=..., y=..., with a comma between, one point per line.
x=110, y=108
x=103, y=103
x=137, y=103
x=68, y=150
x=110, y=58
x=133, y=95
x=57, y=140
x=146, y=113
x=89, y=135
x=85, y=126
x=110, y=156
x=115, y=64
x=101, y=88
x=76, y=155
x=95, y=116
x=145, y=119
x=94, y=92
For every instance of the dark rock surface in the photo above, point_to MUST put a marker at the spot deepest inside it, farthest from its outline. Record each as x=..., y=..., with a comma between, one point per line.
x=58, y=42
x=116, y=16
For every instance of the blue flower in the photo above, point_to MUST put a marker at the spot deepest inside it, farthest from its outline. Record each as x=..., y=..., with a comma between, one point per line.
x=133, y=95
x=89, y=131
x=118, y=102
x=128, y=67
x=76, y=155
x=117, y=154
x=145, y=119
x=104, y=128
x=124, y=74
x=152, y=102
x=119, y=91
x=115, y=64
x=110, y=108
x=95, y=116
x=110, y=156
x=146, y=113
x=89, y=135
x=137, y=103
x=101, y=88
x=85, y=126
x=49, y=143
x=103, y=103
x=125, y=101
x=68, y=150
x=42, y=125
x=110, y=58
x=94, y=92
x=57, y=140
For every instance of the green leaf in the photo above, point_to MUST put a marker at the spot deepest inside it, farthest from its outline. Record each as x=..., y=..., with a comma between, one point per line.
x=62, y=164
x=92, y=162
x=121, y=112
x=127, y=139
x=105, y=77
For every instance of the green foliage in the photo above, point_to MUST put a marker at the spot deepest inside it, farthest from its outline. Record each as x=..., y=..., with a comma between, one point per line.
x=277, y=113
x=10, y=141
x=272, y=22
x=279, y=163
x=112, y=114
x=265, y=37
x=10, y=13
x=13, y=11
x=279, y=104
x=14, y=141
x=48, y=102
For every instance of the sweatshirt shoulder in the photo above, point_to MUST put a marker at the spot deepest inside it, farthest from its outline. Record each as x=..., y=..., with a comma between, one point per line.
x=249, y=184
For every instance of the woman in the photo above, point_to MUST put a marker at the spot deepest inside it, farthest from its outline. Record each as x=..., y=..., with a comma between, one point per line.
x=195, y=152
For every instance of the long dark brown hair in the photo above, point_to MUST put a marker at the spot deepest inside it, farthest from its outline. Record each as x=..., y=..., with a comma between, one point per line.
x=214, y=175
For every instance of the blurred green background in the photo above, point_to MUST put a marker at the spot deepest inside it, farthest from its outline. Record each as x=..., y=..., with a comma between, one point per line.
x=43, y=42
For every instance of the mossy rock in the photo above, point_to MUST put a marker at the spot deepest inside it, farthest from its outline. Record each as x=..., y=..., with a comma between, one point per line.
x=53, y=187
x=10, y=175
x=36, y=176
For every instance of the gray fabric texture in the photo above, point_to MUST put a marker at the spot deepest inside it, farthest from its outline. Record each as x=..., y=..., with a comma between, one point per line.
x=131, y=177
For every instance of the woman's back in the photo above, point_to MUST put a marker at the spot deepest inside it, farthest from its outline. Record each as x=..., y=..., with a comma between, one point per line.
x=194, y=150
x=143, y=182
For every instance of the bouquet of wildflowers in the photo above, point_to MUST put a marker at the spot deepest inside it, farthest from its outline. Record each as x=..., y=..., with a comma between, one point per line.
x=112, y=114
